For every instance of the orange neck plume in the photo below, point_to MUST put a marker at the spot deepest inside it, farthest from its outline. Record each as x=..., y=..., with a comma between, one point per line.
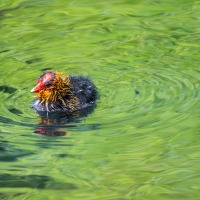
x=61, y=84
x=60, y=87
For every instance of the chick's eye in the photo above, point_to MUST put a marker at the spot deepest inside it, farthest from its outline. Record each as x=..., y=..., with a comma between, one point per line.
x=48, y=85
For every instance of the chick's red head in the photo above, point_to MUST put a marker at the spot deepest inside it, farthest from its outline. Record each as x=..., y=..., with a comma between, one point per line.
x=44, y=82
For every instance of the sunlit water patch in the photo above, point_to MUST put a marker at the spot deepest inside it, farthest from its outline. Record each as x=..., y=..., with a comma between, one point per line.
x=142, y=139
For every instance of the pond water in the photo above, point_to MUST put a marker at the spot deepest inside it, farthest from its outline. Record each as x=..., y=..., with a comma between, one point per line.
x=142, y=141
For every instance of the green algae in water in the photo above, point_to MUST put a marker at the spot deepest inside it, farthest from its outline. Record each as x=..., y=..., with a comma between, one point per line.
x=142, y=140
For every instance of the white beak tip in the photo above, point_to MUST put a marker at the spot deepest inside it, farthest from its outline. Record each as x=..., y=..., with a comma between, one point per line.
x=33, y=90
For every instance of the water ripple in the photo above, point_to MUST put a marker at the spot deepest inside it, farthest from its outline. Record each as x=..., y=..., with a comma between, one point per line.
x=149, y=94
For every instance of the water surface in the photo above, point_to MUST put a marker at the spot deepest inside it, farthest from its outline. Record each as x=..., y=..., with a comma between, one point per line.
x=142, y=140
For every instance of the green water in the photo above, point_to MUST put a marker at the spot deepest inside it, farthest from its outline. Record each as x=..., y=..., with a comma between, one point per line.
x=142, y=141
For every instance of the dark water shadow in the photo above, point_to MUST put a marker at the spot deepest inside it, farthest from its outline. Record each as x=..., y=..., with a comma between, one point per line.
x=9, y=153
x=7, y=89
x=33, y=181
x=5, y=11
x=55, y=123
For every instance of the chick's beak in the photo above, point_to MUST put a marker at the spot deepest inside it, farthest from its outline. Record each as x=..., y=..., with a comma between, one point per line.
x=33, y=90
x=37, y=88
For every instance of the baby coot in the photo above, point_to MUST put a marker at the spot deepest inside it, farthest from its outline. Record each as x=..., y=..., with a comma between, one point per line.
x=56, y=92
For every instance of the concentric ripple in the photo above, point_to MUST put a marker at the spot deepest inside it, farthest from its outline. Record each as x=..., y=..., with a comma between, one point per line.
x=147, y=95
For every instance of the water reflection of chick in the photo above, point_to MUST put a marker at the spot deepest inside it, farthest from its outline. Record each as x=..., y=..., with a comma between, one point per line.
x=54, y=123
x=48, y=127
x=49, y=131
